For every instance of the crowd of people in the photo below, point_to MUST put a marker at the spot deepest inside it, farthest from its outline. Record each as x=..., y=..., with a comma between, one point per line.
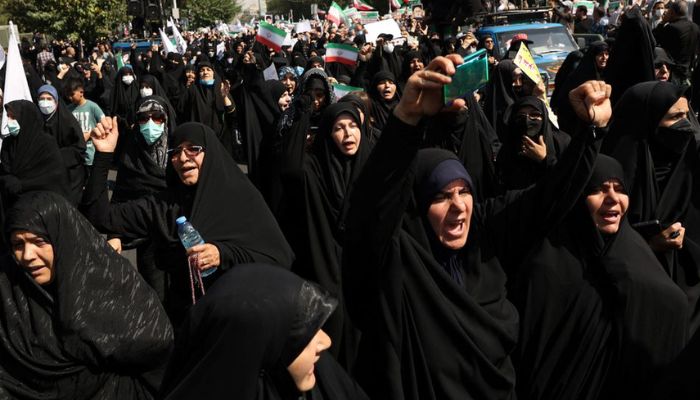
x=512, y=243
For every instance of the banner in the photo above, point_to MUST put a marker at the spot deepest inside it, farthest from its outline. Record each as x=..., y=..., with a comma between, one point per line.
x=525, y=62
x=367, y=17
x=374, y=29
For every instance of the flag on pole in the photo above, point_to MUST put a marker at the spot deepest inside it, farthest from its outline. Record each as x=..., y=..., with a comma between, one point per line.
x=167, y=44
x=394, y=4
x=351, y=13
x=2, y=56
x=335, y=14
x=341, y=53
x=16, y=87
x=341, y=90
x=271, y=36
x=180, y=42
x=361, y=5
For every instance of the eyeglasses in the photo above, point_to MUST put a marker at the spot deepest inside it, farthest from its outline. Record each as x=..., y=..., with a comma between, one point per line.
x=534, y=116
x=443, y=197
x=157, y=118
x=190, y=151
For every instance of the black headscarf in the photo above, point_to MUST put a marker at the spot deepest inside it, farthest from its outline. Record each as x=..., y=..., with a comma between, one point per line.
x=124, y=96
x=96, y=331
x=62, y=126
x=242, y=336
x=205, y=104
x=662, y=180
x=381, y=108
x=370, y=132
x=142, y=166
x=154, y=84
x=516, y=170
x=32, y=159
x=632, y=57
x=569, y=65
x=600, y=319
x=500, y=95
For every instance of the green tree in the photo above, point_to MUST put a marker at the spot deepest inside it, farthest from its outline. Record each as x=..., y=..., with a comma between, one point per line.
x=207, y=12
x=72, y=19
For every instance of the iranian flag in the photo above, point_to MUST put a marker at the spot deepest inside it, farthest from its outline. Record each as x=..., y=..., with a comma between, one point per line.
x=335, y=14
x=394, y=4
x=362, y=5
x=341, y=53
x=271, y=36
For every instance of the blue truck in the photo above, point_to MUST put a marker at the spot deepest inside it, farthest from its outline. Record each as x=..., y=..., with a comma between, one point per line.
x=551, y=44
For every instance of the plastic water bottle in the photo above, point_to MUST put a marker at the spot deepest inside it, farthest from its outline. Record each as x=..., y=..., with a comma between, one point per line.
x=190, y=238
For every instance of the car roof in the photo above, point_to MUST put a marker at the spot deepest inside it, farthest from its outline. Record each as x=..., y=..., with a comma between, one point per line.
x=517, y=27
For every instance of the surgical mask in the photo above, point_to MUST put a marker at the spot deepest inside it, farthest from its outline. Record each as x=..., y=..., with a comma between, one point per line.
x=151, y=131
x=675, y=137
x=145, y=92
x=229, y=60
x=388, y=47
x=128, y=79
x=659, y=13
x=47, y=107
x=206, y=82
x=211, y=54
x=13, y=127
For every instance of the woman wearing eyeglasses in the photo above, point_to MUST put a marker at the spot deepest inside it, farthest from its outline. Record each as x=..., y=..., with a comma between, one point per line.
x=531, y=144
x=204, y=184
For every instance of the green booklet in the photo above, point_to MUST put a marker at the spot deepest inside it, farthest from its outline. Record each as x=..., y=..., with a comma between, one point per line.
x=470, y=76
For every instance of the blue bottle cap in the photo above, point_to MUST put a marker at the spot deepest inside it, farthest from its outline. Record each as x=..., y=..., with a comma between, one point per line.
x=181, y=220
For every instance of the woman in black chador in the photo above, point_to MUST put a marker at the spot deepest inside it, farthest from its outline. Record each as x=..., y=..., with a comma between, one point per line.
x=422, y=269
x=77, y=320
x=257, y=336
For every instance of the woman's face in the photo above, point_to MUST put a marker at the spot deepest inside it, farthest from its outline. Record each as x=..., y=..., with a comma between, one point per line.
x=662, y=72
x=416, y=65
x=346, y=134
x=450, y=214
x=488, y=44
x=302, y=368
x=190, y=75
x=601, y=60
x=607, y=205
x=678, y=111
x=187, y=160
x=206, y=73
x=387, y=89
x=284, y=101
x=318, y=96
x=289, y=81
x=34, y=254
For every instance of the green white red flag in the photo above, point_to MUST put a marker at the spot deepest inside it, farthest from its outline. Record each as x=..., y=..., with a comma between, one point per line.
x=271, y=36
x=341, y=53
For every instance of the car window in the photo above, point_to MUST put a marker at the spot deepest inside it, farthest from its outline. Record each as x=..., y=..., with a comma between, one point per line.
x=546, y=41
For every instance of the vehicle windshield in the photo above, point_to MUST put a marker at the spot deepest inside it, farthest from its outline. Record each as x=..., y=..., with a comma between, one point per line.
x=552, y=40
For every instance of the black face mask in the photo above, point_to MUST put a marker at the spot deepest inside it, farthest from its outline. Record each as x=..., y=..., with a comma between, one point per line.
x=675, y=137
x=528, y=127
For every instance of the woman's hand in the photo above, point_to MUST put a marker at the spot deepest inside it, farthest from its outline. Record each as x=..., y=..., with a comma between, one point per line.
x=591, y=102
x=536, y=151
x=116, y=244
x=207, y=256
x=670, y=238
x=423, y=93
x=105, y=134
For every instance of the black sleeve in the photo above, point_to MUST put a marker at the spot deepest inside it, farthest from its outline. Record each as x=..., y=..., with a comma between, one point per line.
x=519, y=220
x=131, y=219
x=378, y=203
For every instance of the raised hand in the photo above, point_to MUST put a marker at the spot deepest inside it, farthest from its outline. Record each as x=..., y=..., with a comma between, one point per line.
x=423, y=93
x=591, y=102
x=104, y=136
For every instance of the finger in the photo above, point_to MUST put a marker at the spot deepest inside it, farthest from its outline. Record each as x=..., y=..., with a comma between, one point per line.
x=456, y=59
x=541, y=140
x=441, y=64
x=434, y=77
x=456, y=105
x=115, y=125
x=527, y=141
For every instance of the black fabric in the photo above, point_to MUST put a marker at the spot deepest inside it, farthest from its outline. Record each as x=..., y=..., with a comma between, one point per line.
x=241, y=337
x=174, y=77
x=63, y=127
x=381, y=108
x=600, y=319
x=500, y=95
x=30, y=160
x=223, y=206
x=124, y=97
x=204, y=104
x=316, y=188
x=516, y=170
x=632, y=57
x=154, y=84
x=425, y=336
x=644, y=160
x=680, y=38
x=97, y=331
x=559, y=96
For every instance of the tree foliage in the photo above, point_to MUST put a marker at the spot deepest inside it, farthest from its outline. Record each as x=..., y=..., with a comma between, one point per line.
x=206, y=12
x=72, y=19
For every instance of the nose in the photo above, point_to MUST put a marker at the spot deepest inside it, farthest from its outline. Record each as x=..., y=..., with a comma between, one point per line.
x=612, y=197
x=28, y=254
x=458, y=202
x=324, y=341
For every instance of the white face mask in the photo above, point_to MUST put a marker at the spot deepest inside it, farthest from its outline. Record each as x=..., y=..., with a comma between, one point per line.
x=659, y=13
x=145, y=92
x=47, y=107
x=388, y=47
x=128, y=79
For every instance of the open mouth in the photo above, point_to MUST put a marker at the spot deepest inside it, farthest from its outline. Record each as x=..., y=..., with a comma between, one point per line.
x=610, y=216
x=455, y=228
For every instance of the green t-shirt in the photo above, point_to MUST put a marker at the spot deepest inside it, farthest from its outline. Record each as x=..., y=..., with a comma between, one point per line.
x=88, y=115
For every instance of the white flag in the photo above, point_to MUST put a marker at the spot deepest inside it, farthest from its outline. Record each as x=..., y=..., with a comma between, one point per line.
x=16, y=87
x=180, y=42
x=270, y=73
x=2, y=56
x=167, y=44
